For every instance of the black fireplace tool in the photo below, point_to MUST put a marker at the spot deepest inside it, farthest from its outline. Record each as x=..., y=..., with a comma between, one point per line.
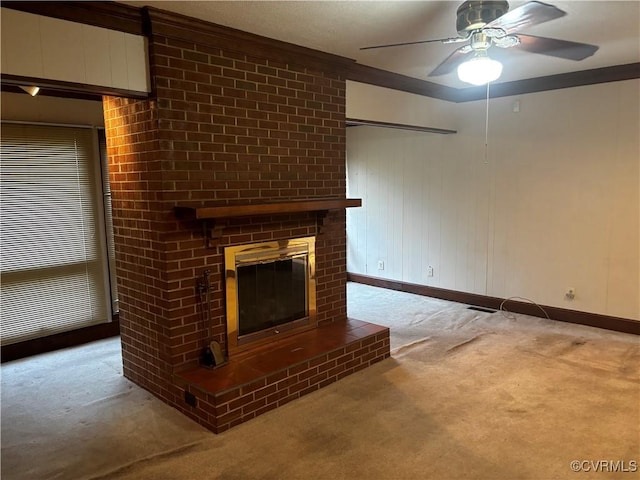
x=212, y=353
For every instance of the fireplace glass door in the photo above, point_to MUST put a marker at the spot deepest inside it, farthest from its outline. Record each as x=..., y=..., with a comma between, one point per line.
x=270, y=289
x=271, y=293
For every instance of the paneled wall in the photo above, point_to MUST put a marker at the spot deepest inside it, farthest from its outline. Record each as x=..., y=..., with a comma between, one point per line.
x=49, y=48
x=371, y=102
x=550, y=203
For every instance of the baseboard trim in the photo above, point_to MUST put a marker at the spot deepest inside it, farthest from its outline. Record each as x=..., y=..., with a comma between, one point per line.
x=617, y=324
x=60, y=340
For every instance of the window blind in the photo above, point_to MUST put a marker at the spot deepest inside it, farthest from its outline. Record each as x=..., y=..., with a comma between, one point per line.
x=52, y=265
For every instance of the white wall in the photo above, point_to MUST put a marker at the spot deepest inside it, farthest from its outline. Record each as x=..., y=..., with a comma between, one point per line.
x=370, y=102
x=53, y=49
x=551, y=203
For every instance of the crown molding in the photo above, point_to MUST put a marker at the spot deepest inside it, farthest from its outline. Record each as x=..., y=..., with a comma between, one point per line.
x=383, y=78
x=552, y=82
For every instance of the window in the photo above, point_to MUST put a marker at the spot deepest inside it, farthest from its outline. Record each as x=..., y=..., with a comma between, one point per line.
x=54, y=262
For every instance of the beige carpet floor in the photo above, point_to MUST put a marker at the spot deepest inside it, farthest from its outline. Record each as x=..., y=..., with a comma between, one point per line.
x=466, y=395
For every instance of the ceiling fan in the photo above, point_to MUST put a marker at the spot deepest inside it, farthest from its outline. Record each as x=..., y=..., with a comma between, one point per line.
x=485, y=24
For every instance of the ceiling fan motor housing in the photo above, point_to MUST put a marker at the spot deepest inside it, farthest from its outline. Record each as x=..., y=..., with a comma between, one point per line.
x=474, y=14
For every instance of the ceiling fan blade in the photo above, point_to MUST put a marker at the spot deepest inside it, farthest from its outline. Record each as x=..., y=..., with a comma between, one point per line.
x=556, y=48
x=438, y=40
x=526, y=15
x=452, y=61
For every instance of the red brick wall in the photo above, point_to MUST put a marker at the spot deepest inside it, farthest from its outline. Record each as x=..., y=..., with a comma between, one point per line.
x=225, y=126
x=135, y=176
x=223, y=410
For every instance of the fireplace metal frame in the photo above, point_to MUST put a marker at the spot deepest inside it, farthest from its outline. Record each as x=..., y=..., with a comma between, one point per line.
x=268, y=252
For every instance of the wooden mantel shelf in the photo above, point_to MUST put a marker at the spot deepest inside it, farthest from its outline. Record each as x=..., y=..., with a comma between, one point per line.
x=208, y=215
x=291, y=206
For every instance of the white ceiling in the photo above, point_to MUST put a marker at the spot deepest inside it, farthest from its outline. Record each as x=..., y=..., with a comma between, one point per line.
x=342, y=27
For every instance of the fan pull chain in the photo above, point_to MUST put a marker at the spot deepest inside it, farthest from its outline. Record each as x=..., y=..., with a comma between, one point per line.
x=486, y=129
x=486, y=162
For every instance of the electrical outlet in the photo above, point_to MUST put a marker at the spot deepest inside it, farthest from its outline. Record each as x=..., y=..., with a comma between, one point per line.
x=380, y=265
x=571, y=293
x=190, y=399
x=516, y=106
x=429, y=271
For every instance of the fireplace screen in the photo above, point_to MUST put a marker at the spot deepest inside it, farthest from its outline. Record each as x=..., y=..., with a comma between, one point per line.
x=270, y=289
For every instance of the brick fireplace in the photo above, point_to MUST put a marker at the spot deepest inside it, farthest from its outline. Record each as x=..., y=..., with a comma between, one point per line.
x=234, y=120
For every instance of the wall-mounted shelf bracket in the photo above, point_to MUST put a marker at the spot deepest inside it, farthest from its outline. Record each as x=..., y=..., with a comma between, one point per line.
x=212, y=233
x=322, y=220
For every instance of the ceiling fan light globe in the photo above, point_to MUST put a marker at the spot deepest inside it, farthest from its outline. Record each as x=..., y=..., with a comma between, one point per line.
x=479, y=70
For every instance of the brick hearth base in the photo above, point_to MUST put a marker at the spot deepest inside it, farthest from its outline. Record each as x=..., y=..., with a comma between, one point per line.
x=267, y=378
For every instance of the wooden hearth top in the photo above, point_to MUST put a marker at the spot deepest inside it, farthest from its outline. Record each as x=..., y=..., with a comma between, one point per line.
x=280, y=355
x=289, y=206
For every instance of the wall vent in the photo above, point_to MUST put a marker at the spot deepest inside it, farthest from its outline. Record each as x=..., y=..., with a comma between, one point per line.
x=481, y=309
